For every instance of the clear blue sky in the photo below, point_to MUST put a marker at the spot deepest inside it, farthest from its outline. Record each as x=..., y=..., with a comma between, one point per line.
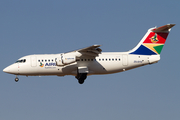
x=151, y=92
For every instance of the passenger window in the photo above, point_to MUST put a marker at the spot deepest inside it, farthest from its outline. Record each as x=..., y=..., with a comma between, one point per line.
x=38, y=60
x=49, y=60
x=42, y=60
x=45, y=60
x=52, y=60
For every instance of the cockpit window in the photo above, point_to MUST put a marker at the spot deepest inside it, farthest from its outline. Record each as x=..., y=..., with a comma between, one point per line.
x=21, y=61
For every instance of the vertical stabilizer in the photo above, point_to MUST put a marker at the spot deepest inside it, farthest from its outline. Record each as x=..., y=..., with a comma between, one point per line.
x=153, y=41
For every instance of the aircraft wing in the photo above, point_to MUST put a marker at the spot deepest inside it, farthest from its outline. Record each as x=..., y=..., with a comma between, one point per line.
x=93, y=50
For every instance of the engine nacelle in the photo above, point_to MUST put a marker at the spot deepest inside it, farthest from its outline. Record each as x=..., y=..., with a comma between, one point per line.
x=65, y=60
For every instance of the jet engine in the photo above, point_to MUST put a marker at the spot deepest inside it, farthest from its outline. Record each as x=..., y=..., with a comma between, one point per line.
x=65, y=60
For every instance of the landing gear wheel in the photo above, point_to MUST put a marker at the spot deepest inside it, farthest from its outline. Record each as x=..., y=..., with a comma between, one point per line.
x=81, y=77
x=81, y=81
x=16, y=79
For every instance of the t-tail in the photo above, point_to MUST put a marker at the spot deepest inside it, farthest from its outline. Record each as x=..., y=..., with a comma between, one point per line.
x=153, y=41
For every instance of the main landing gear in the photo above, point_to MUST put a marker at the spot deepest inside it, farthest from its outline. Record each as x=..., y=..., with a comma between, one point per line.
x=81, y=77
x=16, y=79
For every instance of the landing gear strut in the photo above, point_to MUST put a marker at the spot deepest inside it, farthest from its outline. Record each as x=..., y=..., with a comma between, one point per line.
x=81, y=77
x=16, y=79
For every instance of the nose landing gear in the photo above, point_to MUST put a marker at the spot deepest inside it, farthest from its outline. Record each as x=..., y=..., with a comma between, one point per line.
x=16, y=79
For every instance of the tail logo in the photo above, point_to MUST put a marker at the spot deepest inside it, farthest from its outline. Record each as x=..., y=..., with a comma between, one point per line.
x=152, y=45
x=154, y=39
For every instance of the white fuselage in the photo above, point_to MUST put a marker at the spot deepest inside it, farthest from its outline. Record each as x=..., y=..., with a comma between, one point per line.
x=92, y=61
x=105, y=63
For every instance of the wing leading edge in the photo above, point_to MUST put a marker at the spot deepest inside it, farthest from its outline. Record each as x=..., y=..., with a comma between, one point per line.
x=93, y=50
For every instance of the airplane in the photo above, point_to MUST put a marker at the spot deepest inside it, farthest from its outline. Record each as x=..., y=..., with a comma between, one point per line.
x=91, y=60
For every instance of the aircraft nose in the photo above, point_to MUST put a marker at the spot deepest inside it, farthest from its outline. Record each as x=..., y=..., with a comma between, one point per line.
x=6, y=70
x=12, y=69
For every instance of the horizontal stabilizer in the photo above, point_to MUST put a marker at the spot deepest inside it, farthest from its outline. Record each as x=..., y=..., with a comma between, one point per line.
x=163, y=28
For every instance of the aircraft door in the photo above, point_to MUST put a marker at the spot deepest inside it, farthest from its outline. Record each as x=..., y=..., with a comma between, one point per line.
x=125, y=60
x=33, y=61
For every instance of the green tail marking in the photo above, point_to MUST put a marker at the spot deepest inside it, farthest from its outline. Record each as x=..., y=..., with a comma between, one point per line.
x=158, y=48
